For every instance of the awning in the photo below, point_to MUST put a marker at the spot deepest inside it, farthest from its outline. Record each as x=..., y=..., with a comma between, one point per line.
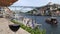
x=4, y=3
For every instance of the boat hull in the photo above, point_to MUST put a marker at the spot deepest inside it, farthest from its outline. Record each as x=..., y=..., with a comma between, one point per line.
x=51, y=22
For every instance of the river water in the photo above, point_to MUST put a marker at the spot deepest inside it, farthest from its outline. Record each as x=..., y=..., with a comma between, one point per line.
x=50, y=29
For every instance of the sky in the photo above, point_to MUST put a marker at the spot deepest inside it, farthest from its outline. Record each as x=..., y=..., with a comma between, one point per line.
x=34, y=2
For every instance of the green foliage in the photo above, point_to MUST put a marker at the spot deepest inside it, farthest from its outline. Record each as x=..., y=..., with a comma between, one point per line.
x=14, y=21
x=30, y=30
x=31, y=11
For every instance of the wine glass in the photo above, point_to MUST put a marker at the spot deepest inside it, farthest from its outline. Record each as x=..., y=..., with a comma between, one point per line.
x=14, y=27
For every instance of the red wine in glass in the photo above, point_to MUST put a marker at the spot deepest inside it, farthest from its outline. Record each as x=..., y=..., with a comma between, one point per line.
x=14, y=27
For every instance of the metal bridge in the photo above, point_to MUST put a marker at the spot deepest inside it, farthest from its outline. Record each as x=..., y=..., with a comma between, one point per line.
x=25, y=6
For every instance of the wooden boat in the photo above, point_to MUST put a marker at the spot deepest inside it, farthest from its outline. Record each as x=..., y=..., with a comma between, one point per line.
x=51, y=20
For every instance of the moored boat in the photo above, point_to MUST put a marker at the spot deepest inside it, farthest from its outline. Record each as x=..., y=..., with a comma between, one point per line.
x=51, y=20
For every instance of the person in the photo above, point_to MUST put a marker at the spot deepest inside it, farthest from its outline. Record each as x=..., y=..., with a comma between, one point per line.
x=28, y=23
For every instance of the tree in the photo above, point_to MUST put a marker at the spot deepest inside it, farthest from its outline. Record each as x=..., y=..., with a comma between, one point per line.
x=31, y=11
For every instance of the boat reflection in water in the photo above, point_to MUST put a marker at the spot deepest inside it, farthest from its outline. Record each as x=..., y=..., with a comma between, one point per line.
x=51, y=20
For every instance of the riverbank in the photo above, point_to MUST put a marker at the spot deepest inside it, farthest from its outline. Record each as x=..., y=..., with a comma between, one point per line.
x=30, y=30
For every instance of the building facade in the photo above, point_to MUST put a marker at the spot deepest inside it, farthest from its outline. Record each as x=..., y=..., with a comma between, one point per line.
x=49, y=9
x=4, y=10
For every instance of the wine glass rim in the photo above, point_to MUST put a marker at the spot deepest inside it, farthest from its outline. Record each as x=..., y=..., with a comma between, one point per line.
x=14, y=24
